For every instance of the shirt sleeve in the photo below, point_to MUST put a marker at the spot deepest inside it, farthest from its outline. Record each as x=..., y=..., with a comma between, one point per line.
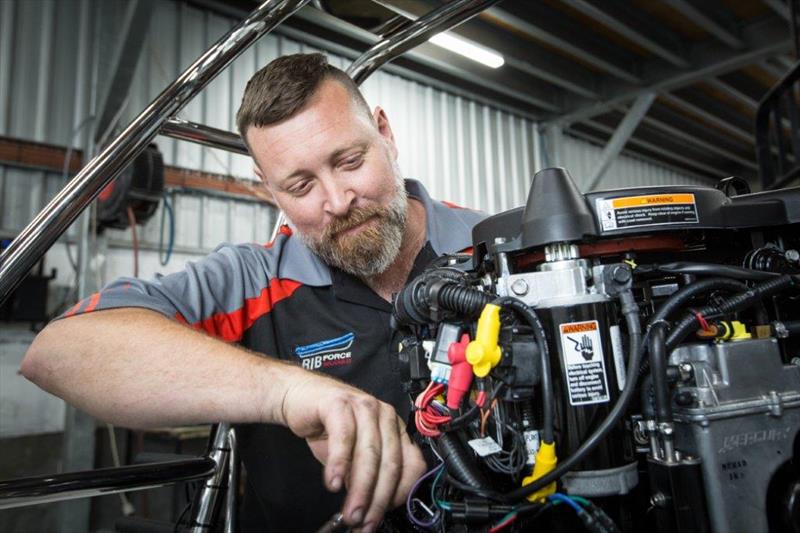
x=222, y=294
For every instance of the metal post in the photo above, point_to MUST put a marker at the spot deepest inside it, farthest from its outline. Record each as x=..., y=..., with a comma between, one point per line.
x=617, y=141
x=205, y=501
x=77, y=444
x=538, y=149
x=231, y=497
x=553, y=141
x=56, y=217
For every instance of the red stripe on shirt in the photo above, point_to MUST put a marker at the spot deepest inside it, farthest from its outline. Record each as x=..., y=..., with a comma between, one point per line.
x=451, y=205
x=231, y=326
x=93, y=301
x=73, y=309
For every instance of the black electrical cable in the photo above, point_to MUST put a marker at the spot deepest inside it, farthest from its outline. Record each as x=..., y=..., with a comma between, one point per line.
x=532, y=319
x=737, y=302
x=792, y=327
x=677, y=299
x=459, y=465
x=656, y=346
x=707, y=269
x=631, y=313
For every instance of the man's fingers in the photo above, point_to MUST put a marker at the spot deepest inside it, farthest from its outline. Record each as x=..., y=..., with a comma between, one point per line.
x=365, y=467
x=391, y=466
x=413, y=466
x=340, y=425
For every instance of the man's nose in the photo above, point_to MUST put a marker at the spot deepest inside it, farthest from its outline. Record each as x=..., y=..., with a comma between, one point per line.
x=340, y=199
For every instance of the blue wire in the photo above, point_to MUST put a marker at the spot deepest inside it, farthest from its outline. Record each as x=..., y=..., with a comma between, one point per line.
x=566, y=499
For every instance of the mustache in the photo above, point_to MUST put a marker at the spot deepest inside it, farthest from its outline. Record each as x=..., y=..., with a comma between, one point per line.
x=352, y=219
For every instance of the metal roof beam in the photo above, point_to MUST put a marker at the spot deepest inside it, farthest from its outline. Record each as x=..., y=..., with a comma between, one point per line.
x=621, y=136
x=786, y=61
x=707, y=141
x=554, y=29
x=733, y=92
x=622, y=20
x=596, y=139
x=711, y=18
x=532, y=60
x=437, y=59
x=708, y=60
x=771, y=69
x=712, y=114
x=779, y=7
x=658, y=148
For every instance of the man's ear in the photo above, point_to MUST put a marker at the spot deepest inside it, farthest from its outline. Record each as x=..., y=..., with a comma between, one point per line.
x=385, y=129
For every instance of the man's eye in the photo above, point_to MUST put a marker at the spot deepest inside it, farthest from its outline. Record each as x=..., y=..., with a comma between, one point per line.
x=300, y=188
x=352, y=163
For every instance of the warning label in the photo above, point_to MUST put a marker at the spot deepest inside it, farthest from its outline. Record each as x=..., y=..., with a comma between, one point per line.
x=583, y=358
x=650, y=210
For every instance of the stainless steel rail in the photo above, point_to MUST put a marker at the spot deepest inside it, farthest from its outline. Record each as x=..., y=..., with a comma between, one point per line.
x=441, y=19
x=56, y=217
x=52, y=488
x=211, y=493
x=206, y=135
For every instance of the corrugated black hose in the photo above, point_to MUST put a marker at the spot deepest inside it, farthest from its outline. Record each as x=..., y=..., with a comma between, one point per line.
x=735, y=303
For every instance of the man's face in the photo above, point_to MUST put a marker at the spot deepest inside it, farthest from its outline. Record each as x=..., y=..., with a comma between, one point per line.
x=332, y=170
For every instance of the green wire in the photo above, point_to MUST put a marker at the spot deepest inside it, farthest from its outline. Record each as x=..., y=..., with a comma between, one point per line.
x=582, y=501
x=444, y=505
x=506, y=517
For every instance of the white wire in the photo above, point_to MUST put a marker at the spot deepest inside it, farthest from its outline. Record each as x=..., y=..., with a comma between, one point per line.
x=127, y=507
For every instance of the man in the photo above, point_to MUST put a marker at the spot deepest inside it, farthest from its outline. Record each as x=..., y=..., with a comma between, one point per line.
x=317, y=297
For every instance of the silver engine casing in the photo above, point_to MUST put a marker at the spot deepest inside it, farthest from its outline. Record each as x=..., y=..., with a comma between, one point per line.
x=742, y=425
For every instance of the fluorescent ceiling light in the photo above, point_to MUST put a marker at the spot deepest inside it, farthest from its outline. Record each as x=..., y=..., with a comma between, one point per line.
x=468, y=49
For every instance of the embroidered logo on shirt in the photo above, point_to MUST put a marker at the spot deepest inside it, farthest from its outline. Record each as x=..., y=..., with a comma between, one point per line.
x=328, y=353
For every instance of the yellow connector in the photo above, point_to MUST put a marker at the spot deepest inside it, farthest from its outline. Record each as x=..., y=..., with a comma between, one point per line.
x=546, y=461
x=483, y=353
x=733, y=330
x=739, y=331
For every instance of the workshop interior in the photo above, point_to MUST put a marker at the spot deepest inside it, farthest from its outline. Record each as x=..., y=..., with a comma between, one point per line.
x=618, y=351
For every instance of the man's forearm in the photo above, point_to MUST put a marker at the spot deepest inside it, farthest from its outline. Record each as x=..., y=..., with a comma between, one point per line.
x=136, y=368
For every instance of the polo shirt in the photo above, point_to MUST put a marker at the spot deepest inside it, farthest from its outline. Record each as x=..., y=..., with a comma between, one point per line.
x=281, y=300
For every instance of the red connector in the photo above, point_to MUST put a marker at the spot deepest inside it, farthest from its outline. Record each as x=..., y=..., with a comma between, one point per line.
x=460, y=373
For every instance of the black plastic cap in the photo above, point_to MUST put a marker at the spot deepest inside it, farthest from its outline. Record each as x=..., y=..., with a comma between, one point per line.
x=556, y=210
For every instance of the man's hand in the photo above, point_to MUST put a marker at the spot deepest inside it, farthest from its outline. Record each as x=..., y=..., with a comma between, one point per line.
x=360, y=440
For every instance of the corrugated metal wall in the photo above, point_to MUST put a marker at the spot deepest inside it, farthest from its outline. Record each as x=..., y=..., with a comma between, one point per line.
x=581, y=159
x=464, y=151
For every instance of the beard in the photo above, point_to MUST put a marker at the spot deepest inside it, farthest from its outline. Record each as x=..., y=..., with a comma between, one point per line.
x=372, y=249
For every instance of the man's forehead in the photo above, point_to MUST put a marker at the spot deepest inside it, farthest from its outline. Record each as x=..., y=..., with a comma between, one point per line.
x=280, y=154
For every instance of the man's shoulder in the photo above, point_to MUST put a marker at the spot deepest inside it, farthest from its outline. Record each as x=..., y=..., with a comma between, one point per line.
x=285, y=256
x=451, y=226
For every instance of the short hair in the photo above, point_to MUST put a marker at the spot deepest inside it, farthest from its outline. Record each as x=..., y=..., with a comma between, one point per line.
x=285, y=85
